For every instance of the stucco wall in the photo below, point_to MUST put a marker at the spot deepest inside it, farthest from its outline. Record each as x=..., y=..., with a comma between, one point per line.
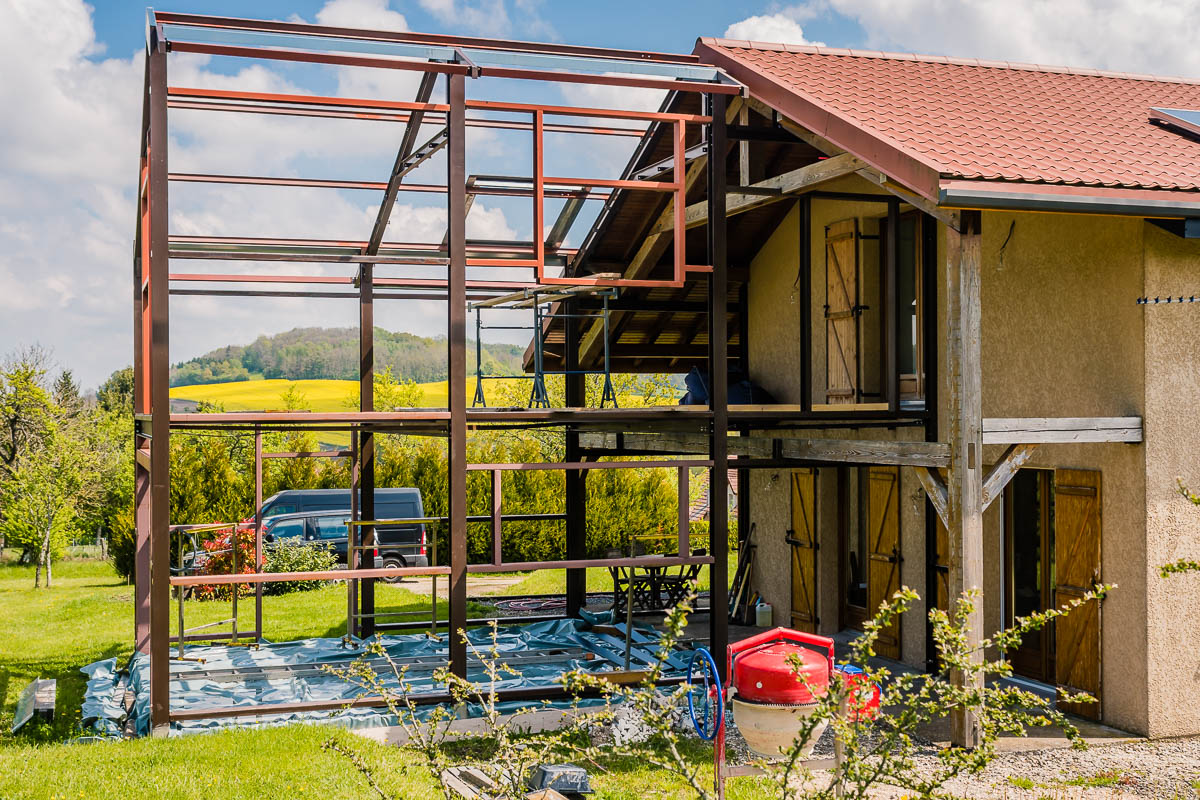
x=1061, y=337
x=1172, y=431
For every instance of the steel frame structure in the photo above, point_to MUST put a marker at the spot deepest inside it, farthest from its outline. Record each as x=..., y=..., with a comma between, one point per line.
x=455, y=60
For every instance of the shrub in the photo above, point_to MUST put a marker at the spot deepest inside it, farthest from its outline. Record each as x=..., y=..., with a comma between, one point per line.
x=122, y=543
x=296, y=558
x=220, y=562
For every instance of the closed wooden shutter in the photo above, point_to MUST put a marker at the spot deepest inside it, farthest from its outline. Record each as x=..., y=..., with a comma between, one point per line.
x=841, y=312
x=883, y=538
x=1077, y=570
x=803, y=540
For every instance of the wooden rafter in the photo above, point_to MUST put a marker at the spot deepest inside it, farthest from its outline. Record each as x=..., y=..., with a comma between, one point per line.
x=1003, y=470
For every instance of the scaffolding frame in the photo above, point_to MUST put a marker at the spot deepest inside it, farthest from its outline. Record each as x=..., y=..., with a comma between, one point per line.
x=454, y=60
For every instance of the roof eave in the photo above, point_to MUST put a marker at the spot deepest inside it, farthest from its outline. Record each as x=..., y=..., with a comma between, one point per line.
x=1163, y=203
x=901, y=166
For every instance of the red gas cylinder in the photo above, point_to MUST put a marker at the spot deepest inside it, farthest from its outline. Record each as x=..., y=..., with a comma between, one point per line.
x=767, y=675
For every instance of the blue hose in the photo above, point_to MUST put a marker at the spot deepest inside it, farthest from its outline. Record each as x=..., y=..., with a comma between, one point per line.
x=711, y=684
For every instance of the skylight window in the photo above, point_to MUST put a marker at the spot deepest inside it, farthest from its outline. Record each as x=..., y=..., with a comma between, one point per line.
x=1181, y=118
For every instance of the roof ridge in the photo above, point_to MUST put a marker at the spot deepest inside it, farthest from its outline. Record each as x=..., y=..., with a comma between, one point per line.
x=932, y=59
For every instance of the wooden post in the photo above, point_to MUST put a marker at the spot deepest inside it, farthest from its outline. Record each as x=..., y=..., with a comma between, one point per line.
x=964, y=416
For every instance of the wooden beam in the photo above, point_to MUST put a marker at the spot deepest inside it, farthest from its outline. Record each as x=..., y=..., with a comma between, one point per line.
x=950, y=218
x=771, y=190
x=964, y=481
x=1044, y=430
x=934, y=486
x=1003, y=470
x=822, y=451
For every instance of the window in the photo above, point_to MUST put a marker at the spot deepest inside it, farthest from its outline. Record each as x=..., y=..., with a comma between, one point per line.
x=1029, y=566
x=288, y=529
x=331, y=527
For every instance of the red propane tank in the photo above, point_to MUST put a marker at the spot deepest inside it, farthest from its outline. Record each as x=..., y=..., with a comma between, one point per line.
x=767, y=676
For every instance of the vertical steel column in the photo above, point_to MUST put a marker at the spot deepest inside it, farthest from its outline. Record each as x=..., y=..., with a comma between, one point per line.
x=718, y=370
x=479, y=400
x=258, y=540
x=497, y=516
x=685, y=517
x=456, y=337
x=964, y=481
x=575, y=487
x=366, y=448
x=352, y=550
x=141, y=475
x=160, y=401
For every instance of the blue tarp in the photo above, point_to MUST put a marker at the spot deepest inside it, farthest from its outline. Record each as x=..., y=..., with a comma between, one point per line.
x=103, y=711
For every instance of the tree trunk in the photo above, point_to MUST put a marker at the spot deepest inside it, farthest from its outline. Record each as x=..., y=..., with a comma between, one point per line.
x=44, y=558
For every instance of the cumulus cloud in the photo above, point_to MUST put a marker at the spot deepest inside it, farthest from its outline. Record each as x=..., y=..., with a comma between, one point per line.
x=781, y=27
x=372, y=14
x=1153, y=36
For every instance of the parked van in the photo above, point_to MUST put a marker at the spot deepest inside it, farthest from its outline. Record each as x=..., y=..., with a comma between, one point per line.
x=317, y=528
x=401, y=545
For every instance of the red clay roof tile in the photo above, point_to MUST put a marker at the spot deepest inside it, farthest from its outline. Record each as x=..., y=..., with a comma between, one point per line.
x=994, y=120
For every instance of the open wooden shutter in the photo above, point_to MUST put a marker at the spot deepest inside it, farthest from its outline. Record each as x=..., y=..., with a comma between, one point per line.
x=1077, y=570
x=941, y=563
x=803, y=540
x=841, y=312
x=883, y=538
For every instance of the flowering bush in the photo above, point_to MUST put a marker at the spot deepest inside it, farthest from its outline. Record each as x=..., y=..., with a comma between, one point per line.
x=217, y=559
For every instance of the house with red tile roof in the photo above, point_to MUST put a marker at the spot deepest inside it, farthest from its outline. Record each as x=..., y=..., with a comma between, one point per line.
x=951, y=279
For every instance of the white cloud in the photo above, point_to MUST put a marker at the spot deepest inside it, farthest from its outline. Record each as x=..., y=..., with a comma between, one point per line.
x=370, y=14
x=484, y=16
x=781, y=27
x=1152, y=36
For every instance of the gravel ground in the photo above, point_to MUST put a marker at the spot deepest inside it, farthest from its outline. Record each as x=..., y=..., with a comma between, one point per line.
x=1163, y=770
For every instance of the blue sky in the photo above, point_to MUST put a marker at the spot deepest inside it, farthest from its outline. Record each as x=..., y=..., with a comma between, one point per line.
x=72, y=94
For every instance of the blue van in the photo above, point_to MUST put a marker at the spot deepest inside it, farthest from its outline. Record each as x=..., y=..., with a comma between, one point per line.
x=402, y=545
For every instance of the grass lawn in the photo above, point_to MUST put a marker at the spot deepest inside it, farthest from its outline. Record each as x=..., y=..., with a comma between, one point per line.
x=88, y=615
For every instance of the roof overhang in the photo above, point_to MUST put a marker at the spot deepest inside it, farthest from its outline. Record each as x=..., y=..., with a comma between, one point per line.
x=923, y=176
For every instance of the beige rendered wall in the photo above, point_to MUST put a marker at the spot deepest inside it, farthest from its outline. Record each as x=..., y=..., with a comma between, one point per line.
x=1061, y=337
x=1172, y=431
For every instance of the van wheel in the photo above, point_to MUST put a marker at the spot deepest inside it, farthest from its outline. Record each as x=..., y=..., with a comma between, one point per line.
x=392, y=562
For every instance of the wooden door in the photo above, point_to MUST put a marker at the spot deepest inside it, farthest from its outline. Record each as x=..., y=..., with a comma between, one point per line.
x=802, y=537
x=883, y=539
x=1077, y=570
x=841, y=312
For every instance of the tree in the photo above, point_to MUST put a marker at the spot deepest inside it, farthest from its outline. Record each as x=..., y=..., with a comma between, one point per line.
x=116, y=393
x=25, y=406
x=54, y=485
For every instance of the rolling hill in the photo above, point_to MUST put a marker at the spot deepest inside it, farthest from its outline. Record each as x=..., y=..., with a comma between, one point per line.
x=332, y=354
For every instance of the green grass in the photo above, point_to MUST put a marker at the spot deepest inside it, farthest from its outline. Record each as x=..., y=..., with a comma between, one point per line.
x=1098, y=781
x=88, y=615
x=1021, y=782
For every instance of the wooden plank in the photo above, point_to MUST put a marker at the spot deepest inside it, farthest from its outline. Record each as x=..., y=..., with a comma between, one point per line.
x=935, y=487
x=926, y=454
x=771, y=190
x=1044, y=430
x=1004, y=470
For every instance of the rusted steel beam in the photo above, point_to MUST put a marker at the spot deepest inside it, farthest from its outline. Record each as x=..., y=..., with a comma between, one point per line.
x=320, y=183
x=158, y=368
x=589, y=465
x=234, y=23
x=320, y=575
x=456, y=340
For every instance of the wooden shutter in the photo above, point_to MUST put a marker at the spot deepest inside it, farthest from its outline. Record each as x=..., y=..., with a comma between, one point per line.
x=1077, y=570
x=841, y=312
x=803, y=540
x=941, y=563
x=883, y=538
